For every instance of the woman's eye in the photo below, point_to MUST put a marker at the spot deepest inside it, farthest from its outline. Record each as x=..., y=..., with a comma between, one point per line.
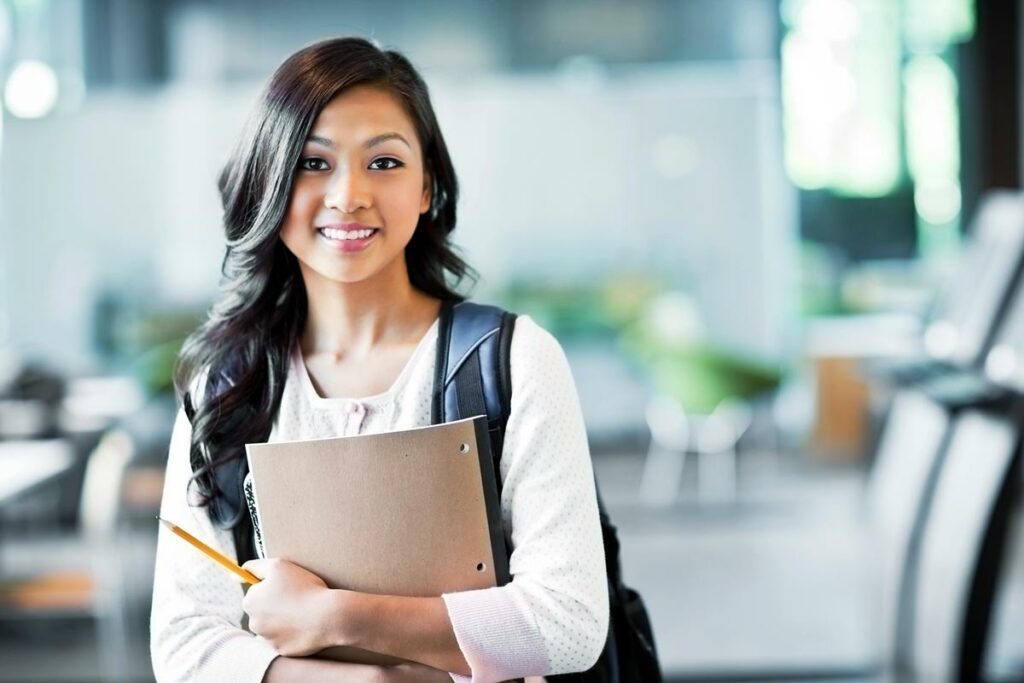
x=313, y=164
x=392, y=163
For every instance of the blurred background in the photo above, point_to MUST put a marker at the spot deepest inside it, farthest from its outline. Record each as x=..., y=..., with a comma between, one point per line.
x=780, y=242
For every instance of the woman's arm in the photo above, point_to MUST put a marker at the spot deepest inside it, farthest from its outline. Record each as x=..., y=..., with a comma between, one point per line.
x=417, y=629
x=296, y=612
x=553, y=617
x=294, y=670
x=195, y=625
x=297, y=670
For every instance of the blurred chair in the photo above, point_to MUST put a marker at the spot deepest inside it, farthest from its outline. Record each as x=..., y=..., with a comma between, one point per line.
x=962, y=547
x=939, y=497
x=967, y=313
x=930, y=598
x=943, y=595
x=712, y=438
x=700, y=398
x=70, y=577
x=909, y=454
x=943, y=471
x=940, y=500
x=718, y=436
x=666, y=456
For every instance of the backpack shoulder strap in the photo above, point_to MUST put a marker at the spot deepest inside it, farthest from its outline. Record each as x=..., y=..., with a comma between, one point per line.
x=473, y=375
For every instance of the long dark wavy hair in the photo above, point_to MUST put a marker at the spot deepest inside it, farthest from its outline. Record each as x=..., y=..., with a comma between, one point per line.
x=231, y=370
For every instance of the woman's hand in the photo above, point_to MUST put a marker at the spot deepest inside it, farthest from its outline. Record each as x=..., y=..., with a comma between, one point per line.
x=289, y=607
x=299, y=615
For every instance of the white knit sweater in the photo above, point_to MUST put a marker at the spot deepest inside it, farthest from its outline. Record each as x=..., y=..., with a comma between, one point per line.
x=552, y=618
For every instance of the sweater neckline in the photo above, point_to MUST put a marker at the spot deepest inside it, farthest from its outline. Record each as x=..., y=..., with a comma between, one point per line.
x=314, y=397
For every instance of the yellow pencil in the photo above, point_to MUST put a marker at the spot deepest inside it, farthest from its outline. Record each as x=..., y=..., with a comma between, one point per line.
x=244, y=574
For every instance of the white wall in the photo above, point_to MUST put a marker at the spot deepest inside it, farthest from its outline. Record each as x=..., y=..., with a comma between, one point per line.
x=561, y=178
x=666, y=170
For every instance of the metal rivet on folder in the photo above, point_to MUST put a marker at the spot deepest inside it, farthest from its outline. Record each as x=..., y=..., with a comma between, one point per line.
x=464, y=448
x=481, y=566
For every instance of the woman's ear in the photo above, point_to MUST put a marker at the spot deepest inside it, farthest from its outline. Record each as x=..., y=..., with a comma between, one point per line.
x=428, y=190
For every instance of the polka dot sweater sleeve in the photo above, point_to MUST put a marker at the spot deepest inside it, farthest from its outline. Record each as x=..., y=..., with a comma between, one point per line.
x=553, y=617
x=195, y=624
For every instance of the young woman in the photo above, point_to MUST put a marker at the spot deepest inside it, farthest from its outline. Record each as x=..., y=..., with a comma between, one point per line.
x=339, y=201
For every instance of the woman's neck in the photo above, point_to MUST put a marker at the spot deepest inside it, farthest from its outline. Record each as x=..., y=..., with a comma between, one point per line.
x=353, y=319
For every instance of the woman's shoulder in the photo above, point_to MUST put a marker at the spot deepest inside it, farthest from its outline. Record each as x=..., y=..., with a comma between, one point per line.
x=529, y=334
x=536, y=355
x=529, y=337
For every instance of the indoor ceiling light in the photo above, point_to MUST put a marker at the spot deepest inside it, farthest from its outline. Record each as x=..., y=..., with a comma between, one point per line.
x=31, y=89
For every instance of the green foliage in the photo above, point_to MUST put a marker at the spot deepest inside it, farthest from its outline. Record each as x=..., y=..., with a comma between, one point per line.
x=582, y=310
x=154, y=368
x=698, y=375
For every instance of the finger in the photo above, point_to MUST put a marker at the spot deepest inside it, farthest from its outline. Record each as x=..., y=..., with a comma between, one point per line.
x=257, y=567
x=248, y=601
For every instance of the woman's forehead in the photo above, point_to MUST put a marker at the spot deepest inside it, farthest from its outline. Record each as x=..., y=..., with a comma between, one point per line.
x=361, y=114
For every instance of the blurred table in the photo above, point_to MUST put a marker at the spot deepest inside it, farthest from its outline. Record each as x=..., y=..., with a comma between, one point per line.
x=836, y=347
x=27, y=465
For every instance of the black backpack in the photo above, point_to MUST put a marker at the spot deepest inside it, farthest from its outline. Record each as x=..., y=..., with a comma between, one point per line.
x=472, y=377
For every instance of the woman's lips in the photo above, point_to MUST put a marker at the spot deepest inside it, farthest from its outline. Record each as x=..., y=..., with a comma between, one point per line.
x=341, y=240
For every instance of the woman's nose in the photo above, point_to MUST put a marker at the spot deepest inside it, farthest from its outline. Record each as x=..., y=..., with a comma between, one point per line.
x=346, y=192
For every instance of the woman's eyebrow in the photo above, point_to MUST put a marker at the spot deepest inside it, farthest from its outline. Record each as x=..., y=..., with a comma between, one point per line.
x=375, y=140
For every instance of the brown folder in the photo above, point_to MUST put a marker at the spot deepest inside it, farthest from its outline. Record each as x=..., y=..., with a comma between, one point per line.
x=412, y=512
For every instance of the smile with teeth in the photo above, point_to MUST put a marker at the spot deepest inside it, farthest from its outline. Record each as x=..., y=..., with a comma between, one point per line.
x=341, y=235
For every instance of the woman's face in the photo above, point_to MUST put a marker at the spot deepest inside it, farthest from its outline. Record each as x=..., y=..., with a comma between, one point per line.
x=358, y=191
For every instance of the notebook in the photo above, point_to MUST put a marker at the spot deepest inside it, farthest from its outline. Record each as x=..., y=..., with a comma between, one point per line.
x=412, y=512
